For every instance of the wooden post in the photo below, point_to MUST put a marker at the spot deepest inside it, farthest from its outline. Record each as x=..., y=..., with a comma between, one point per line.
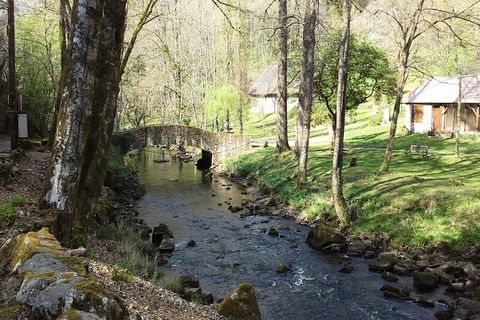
x=12, y=78
x=458, y=120
x=477, y=114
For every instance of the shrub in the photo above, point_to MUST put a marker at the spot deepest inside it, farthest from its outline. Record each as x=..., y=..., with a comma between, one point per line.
x=119, y=274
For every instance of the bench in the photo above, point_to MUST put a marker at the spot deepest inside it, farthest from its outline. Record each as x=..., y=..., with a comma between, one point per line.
x=418, y=150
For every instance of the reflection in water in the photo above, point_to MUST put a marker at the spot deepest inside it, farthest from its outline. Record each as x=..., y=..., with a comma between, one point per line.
x=231, y=250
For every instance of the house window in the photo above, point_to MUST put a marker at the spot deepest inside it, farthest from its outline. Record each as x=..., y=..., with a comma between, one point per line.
x=417, y=113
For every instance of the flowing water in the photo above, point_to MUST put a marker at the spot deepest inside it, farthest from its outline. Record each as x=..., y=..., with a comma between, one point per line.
x=231, y=250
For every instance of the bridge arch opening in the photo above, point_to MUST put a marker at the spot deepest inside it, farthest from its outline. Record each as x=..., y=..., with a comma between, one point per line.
x=206, y=161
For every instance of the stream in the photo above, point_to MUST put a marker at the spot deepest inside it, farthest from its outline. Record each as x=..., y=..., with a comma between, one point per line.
x=231, y=250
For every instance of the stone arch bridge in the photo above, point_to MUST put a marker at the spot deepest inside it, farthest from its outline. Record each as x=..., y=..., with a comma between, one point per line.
x=221, y=145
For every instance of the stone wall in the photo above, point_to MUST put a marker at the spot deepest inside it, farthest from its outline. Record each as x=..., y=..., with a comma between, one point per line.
x=221, y=145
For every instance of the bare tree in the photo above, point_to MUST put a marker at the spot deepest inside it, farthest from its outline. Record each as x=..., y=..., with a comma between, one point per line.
x=337, y=177
x=306, y=88
x=282, y=112
x=409, y=32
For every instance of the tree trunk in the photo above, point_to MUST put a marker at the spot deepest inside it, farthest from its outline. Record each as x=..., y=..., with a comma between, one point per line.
x=12, y=77
x=282, y=113
x=337, y=177
x=306, y=87
x=87, y=113
x=396, y=113
x=64, y=31
x=409, y=35
x=459, y=110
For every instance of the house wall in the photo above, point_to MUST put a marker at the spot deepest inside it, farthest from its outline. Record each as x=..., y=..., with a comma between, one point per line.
x=269, y=105
x=468, y=119
x=412, y=121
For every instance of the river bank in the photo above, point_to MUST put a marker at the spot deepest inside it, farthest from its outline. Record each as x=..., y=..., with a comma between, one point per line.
x=231, y=245
x=21, y=218
x=442, y=274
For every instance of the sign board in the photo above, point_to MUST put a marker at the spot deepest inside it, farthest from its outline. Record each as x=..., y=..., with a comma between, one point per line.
x=22, y=125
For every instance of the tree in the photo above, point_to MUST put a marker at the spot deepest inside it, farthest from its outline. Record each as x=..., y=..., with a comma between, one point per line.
x=408, y=21
x=337, y=177
x=306, y=88
x=282, y=113
x=64, y=29
x=86, y=117
x=370, y=75
x=409, y=32
x=38, y=67
x=221, y=105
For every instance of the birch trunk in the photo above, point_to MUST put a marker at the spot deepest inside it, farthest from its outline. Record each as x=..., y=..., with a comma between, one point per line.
x=87, y=113
x=282, y=113
x=306, y=87
x=337, y=177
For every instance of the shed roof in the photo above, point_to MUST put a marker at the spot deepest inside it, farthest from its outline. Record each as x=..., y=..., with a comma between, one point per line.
x=444, y=90
x=266, y=84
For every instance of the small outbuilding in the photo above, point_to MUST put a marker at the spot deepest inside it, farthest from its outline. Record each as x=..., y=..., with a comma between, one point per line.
x=432, y=107
x=263, y=94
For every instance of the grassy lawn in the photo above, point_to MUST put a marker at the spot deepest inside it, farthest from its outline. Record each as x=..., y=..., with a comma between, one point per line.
x=418, y=203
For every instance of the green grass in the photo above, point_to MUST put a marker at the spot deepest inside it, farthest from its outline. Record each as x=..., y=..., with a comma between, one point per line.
x=417, y=203
x=8, y=210
x=136, y=254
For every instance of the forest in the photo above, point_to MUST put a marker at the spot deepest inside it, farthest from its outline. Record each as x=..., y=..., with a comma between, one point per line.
x=237, y=159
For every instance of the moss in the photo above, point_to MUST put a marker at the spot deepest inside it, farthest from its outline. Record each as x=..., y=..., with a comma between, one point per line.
x=11, y=312
x=241, y=303
x=51, y=217
x=74, y=264
x=33, y=275
x=96, y=296
x=29, y=244
x=70, y=314
x=92, y=288
x=68, y=276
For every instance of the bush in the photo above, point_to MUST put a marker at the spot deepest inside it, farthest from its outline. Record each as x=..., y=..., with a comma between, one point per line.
x=119, y=274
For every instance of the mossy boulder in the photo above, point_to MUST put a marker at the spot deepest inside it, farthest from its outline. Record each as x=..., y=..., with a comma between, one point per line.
x=325, y=239
x=25, y=246
x=54, y=284
x=241, y=304
x=79, y=293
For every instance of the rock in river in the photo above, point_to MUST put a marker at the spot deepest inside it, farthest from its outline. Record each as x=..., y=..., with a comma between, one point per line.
x=273, y=231
x=322, y=238
x=425, y=281
x=241, y=304
x=384, y=262
x=160, y=232
x=167, y=245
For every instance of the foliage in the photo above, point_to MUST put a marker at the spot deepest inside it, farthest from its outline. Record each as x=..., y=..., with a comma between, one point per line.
x=38, y=57
x=369, y=76
x=225, y=102
x=119, y=173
